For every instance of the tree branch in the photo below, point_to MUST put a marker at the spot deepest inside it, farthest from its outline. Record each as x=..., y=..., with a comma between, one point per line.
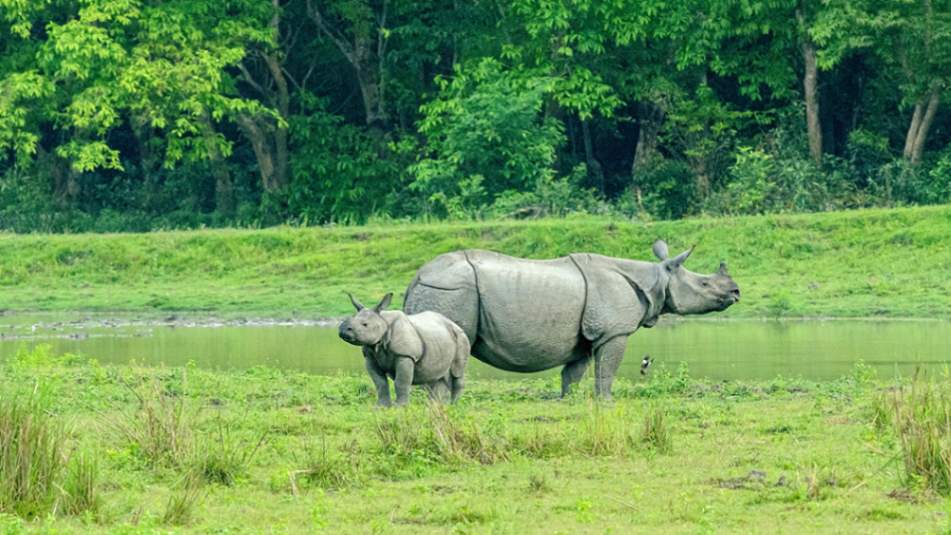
x=338, y=39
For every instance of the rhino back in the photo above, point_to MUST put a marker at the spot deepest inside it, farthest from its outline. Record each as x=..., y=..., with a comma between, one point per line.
x=530, y=311
x=446, y=284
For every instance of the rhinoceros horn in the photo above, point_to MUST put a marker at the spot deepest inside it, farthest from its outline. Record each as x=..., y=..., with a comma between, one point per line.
x=356, y=304
x=722, y=270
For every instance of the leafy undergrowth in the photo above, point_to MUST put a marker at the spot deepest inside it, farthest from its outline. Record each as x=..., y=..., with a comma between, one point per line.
x=186, y=449
x=857, y=263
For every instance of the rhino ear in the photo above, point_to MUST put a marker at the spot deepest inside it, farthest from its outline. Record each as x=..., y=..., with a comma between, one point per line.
x=356, y=304
x=678, y=260
x=660, y=249
x=722, y=270
x=385, y=302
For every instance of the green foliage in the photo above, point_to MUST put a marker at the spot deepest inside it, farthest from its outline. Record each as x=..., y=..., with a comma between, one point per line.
x=134, y=115
x=339, y=173
x=485, y=136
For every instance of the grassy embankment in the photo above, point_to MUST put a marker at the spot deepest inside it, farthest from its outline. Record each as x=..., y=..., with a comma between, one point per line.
x=182, y=449
x=861, y=263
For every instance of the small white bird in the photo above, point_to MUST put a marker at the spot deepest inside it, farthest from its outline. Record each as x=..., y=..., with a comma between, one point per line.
x=33, y=328
x=646, y=363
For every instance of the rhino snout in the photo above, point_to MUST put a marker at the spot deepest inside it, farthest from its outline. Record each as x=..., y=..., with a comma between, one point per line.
x=346, y=332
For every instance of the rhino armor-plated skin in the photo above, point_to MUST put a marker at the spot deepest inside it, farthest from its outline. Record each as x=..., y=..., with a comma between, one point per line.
x=532, y=315
x=412, y=349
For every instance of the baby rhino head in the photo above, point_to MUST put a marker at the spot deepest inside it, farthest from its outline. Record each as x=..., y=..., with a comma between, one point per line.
x=367, y=326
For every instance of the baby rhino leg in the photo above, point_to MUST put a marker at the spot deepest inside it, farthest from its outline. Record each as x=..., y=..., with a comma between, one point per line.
x=438, y=390
x=458, y=383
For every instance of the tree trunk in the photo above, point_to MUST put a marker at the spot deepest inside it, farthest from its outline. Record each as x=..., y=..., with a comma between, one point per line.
x=921, y=119
x=224, y=186
x=594, y=166
x=365, y=54
x=281, y=154
x=809, y=84
x=650, y=118
x=256, y=132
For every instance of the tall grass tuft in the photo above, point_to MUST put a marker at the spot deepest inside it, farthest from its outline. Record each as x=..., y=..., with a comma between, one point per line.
x=161, y=427
x=223, y=457
x=438, y=435
x=461, y=441
x=32, y=458
x=79, y=486
x=605, y=431
x=327, y=469
x=921, y=419
x=655, y=431
x=181, y=504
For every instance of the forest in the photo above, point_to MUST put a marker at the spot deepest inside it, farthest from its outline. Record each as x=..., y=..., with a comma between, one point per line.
x=135, y=115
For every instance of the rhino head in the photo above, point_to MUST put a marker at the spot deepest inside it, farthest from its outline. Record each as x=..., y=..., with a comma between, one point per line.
x=367, y=326
x=693, y=293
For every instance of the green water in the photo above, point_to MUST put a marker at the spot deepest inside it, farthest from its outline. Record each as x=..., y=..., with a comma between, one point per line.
x=714, y=349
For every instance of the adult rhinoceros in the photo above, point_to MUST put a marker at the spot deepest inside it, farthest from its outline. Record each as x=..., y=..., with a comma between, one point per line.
x=531, y=315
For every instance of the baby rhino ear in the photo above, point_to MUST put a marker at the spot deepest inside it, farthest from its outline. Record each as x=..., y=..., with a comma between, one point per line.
x=385, y=302
x=356, y=304
x=660, y=249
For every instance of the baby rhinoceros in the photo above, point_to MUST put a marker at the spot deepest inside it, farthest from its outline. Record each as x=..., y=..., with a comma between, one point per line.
x=418, y=349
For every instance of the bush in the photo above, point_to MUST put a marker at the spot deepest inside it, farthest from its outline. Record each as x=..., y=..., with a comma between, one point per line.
x=485, y=135
x=668, y=189
x=551, y=197
x=763, y=182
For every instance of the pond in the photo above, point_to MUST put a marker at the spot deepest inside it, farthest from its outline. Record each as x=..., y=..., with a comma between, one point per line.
x=723, y=349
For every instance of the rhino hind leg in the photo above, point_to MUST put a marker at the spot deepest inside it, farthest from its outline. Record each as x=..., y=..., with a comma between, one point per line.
x=572, y=373
x=607, y=359
x=438, y=390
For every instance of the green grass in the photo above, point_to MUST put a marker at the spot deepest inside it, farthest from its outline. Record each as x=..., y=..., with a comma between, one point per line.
x=670, y=455
x=859, y=263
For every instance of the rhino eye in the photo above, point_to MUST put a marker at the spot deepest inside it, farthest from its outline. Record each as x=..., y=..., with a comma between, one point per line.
x=364, y=324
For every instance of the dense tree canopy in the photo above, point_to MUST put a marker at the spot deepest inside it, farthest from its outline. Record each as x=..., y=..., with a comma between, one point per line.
x=138, y=114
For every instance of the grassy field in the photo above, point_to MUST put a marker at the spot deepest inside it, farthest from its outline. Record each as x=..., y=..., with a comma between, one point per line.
x=160, y=450
x=861, y=263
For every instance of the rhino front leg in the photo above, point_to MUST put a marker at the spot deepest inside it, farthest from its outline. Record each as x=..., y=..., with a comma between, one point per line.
x=379, y=381
x=607, y=359
x=404, y=379
x=572, y=373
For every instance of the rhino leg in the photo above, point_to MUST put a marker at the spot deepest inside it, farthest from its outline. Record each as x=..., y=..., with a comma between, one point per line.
x=572, y=373
x=607, y=359
x=438, y=390
x=458, y=383
x=404, y=379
